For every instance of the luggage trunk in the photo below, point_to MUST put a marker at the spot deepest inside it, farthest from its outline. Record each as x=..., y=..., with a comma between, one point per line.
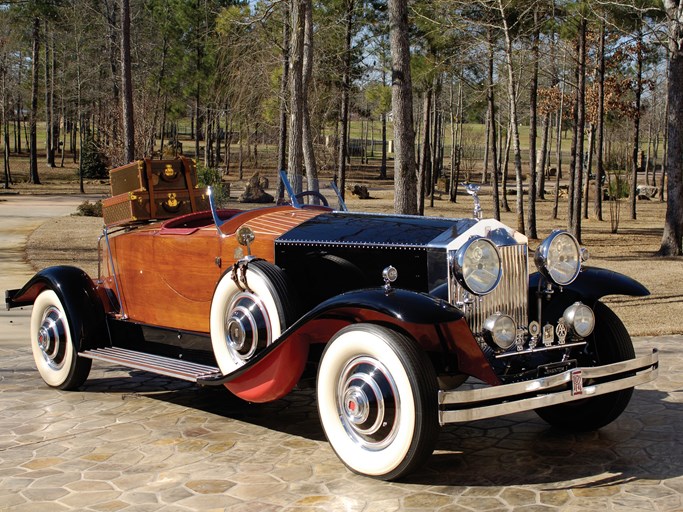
x=148, y=174
x=131, y=207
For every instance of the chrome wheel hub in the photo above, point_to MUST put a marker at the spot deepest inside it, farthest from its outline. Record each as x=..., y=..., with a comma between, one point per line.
x=367, y=403
x=52, y=337
x=247, y=326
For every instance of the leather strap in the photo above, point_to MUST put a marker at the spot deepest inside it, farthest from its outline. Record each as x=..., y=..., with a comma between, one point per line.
x=150, y=187
x=187, y=166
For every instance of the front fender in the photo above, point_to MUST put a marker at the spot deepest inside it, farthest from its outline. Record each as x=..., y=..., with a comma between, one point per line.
x=594, y=283
x=435, y=324
x=78, y=295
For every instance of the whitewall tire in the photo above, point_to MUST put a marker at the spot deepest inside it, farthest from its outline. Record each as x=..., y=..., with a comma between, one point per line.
x=53, y=349
x=377, y=399
x=244, y=322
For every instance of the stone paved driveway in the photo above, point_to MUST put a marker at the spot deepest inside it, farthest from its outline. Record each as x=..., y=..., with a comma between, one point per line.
x=129, y=440
x=134, y=441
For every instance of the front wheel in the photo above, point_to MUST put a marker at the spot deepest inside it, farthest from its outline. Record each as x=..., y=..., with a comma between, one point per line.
x=56, y=358
x=377, y=400
x=611, y=344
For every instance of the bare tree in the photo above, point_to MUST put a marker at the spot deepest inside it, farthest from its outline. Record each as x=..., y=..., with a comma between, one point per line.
x=514, y=117
x=672, y=238
x=282, y=137
x=308, y=150
x=533, y=111
x=600, y=124
x=127, y=84
x=33, y=161
x=405, y=180
x=345, y=97
x=579, y=131
x=492, y=110
x=295, y=158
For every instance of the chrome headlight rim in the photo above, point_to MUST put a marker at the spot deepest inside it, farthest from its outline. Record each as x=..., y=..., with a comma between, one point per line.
x=460, y=271
x=580, y=318
x=500, y=331
x=544, y=254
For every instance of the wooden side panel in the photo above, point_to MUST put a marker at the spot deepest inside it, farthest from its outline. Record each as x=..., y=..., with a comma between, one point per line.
x=167, y=277
x=168, y=280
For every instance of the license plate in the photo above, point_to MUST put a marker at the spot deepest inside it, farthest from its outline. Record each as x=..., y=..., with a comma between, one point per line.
x=555, y=368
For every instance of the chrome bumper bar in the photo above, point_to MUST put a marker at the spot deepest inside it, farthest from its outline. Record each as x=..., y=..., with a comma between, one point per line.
x=483, y=401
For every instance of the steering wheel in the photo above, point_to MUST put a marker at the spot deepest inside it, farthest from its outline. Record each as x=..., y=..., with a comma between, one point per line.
x=312, y=193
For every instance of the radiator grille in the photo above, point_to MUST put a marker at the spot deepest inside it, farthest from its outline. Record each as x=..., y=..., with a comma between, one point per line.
x=510, y=297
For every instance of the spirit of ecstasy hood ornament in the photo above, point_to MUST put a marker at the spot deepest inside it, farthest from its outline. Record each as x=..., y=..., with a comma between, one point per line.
x=473, y=190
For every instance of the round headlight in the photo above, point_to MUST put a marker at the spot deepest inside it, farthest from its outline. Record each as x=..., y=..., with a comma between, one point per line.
x=558, y=258
x=500, y=331
x=477, y=266
x=581, y=318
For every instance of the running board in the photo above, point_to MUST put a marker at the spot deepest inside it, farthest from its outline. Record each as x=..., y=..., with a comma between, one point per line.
x=168, y=366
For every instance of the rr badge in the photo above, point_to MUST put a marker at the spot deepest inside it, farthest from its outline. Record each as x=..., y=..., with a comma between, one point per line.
x=577, y=383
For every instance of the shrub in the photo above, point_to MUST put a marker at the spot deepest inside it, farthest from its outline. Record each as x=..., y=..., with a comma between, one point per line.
x=208, y=177
x=88, y=209
x=93, y=160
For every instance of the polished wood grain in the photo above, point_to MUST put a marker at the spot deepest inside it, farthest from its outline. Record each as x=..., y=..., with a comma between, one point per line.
x=167, y=276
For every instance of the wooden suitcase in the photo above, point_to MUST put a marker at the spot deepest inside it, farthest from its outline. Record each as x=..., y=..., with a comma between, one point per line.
x=148, y=174
x=131, y=207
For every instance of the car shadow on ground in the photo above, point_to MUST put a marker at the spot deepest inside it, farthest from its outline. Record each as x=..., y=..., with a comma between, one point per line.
x=644, y=443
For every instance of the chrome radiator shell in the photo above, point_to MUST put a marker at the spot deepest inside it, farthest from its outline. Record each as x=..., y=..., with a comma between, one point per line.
x=510, y=297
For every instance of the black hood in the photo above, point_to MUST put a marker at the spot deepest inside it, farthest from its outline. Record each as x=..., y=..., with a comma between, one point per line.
x=351, y=229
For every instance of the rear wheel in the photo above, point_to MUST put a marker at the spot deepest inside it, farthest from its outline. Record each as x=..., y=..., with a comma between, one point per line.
x=56, y=358
x=377, y=399
x=611, y=344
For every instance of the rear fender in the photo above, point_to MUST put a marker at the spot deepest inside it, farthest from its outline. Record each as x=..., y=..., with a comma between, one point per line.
x=78, y=295
x=438, y=327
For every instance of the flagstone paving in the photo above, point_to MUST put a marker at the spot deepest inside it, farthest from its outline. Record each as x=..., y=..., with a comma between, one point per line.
x=129, y=440
x=133, y=441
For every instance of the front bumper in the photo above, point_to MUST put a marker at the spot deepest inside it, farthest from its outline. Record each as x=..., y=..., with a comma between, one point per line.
x=481, y=401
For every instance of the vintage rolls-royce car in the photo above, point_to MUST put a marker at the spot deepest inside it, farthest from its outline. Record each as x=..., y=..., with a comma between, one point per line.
x=403, y=323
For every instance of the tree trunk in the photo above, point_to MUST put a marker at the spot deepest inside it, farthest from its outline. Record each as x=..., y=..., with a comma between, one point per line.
x=533, y=110
x=487, y=146
x=127, y=84
x=514, y=119
x=600, y=143
x=114, y=54
x=589, y=169
x=405, y=186
x=672, y=238
x=665, y=149
x=425, y=156
x=295, y=158
x=5, y=130
x=494, y=138
x=240, y=165
x=345, y=99
x=284, y=83
x=635, y=164
x=49, y=155
x=309, y=152
x=575, y=224
x=33, y=158
x=383, y=165
x=544, y=160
